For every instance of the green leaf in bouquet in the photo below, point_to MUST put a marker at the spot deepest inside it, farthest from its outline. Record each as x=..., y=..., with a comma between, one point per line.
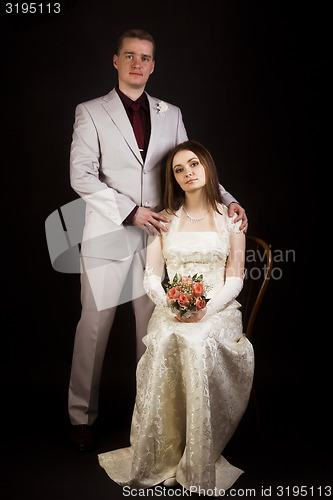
x=182, y=311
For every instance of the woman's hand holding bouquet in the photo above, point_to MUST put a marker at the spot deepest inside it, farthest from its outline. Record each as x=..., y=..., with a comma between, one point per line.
x=186, y=295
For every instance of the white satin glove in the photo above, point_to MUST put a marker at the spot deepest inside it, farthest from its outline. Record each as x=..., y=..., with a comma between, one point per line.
x=153, y=288
x=229, y=292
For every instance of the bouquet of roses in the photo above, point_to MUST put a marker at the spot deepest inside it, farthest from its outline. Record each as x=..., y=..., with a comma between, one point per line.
x=187, y=294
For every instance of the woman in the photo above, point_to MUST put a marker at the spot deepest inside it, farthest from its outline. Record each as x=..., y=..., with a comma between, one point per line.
x=195, y=377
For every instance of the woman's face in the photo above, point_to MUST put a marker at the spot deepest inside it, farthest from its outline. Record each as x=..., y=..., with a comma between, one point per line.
x=188, y=171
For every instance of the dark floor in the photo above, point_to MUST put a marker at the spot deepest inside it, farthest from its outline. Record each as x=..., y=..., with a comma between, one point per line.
x=291, y=382
x=39, y=463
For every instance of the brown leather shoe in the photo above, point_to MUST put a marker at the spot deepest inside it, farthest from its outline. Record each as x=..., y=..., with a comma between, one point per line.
x=82, y=437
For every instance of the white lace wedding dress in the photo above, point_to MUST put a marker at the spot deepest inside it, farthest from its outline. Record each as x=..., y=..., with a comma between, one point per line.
x=193, y=381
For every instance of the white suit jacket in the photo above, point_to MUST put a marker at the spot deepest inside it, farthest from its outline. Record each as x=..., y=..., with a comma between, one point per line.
x=107, y=170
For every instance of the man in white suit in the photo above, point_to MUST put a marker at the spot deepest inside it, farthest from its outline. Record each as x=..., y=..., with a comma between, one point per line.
x=120, y=142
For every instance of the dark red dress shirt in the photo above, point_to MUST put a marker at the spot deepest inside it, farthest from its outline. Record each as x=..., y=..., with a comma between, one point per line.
x=144, y=116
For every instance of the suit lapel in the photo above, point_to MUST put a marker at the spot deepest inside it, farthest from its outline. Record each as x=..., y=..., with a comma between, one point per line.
x=114, y=107
x=154, y=127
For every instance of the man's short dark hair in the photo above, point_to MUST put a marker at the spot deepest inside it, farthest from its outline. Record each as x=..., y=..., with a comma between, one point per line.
x=135, y=33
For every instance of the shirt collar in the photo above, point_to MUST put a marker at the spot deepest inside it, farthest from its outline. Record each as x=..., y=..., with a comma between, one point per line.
x=127, y=101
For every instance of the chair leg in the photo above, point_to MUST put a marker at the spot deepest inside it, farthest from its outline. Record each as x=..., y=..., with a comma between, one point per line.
x=256, y=410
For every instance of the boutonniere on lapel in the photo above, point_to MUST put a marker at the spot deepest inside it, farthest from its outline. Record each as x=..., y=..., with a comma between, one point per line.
x=162, y=107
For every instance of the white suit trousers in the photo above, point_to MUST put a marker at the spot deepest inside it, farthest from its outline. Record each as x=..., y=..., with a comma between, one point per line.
x=104, y=285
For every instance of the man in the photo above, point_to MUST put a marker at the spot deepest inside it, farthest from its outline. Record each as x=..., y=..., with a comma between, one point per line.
x=119, y=145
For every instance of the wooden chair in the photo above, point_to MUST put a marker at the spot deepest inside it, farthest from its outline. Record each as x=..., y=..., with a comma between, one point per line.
x=258, y=264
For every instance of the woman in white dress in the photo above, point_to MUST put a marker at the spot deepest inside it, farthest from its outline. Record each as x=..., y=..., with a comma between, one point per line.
x=195, y=377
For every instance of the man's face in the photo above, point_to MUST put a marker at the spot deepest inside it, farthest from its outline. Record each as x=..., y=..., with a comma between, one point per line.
x=134, y=63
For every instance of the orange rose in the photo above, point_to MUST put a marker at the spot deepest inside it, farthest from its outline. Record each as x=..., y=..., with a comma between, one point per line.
x=200, y=303
x=184, y=300
x=187, y=279
x=197, y=289
x=173, y=293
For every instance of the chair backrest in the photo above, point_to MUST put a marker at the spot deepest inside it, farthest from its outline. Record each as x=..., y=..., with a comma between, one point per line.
x=258, y=268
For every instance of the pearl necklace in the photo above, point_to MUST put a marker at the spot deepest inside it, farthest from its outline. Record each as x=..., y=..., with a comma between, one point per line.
x=193, y=219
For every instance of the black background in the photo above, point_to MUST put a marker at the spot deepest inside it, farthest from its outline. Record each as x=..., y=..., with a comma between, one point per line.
x=251, y=79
